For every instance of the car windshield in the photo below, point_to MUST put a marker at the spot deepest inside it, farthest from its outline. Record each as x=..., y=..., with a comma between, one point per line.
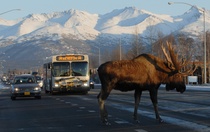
x=20, y=80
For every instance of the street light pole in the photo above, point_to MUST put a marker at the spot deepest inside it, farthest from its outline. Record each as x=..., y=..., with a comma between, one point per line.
x=9, y=11
x=204, y=33
x=120, y=49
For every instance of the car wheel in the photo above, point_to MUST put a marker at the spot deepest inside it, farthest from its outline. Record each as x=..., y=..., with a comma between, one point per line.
x=38, y=97
x=53, y=93
x=46, y=91
x=13, y=98
x=85, y=92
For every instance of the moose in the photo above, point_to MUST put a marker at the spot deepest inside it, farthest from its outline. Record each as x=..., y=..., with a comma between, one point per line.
x=145, y=72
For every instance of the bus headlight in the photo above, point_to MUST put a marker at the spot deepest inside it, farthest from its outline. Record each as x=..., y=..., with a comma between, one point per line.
x=85, y=84
x=56, y=85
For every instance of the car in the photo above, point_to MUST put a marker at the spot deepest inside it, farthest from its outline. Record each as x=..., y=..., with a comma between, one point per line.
x=25, y=85
x=39, y=81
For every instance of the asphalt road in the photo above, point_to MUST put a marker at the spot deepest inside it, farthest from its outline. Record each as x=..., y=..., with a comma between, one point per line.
x=76, y=112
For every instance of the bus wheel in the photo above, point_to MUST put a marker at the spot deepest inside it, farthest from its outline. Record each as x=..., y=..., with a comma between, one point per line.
x=13, y=98
x=53, y=93
x=85, y=92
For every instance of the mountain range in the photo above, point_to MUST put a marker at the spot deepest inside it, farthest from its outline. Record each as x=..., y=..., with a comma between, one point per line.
x=30, y=41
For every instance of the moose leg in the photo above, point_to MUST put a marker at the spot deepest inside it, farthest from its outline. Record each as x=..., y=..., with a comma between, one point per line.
x=137, y=96
x=153, y=97
x=103, y=111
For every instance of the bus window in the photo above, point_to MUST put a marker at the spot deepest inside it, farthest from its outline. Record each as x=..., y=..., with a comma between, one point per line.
x=61, y=69
x=79, y=68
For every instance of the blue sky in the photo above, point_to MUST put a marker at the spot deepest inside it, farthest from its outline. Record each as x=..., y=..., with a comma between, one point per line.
x=94, y=6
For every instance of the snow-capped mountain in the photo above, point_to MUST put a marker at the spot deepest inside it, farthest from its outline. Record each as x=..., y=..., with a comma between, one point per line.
x=74, y=31
x=89, y=26
x=68, y=22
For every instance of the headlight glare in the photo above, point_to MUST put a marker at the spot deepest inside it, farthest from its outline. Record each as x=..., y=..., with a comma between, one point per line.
x=56, y=85
x=37, y=89
x=85, y=84
x=16, y=89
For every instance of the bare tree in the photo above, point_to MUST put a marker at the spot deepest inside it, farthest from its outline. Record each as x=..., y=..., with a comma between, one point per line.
x=151, y=37
x=117, y=53
x=156, y=46
x=185, y=46
x=136, y=45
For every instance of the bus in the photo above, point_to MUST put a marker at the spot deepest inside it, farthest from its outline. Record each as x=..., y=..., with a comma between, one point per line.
x=65, y=73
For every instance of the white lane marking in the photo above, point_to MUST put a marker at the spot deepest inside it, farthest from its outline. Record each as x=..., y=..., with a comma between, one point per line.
x=82, y=107
x=122, y=122
x=91, y=111
x=140, y=130
x=86, y=99
x=20, y=129
x=79, y=125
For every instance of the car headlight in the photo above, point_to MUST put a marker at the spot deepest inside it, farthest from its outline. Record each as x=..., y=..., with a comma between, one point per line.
x=16, y=89
x=37, y=89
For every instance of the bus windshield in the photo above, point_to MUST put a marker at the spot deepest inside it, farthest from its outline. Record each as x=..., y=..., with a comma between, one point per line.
x=61, y=69
x=79, y=68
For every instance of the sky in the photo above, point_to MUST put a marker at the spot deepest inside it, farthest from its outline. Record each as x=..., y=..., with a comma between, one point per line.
x=94, y=6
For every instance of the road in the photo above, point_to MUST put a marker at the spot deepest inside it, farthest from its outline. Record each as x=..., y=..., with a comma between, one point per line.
x=74, y=112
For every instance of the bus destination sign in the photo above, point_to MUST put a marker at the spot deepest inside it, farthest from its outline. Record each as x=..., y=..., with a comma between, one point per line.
x=70, y=57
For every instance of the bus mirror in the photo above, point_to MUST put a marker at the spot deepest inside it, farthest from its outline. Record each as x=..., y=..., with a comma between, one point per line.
x=49, y=66
x=90, y=71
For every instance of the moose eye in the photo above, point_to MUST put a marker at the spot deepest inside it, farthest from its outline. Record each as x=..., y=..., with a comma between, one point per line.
x=171, y=66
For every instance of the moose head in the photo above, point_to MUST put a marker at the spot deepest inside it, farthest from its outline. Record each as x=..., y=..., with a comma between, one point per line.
x=177, y=74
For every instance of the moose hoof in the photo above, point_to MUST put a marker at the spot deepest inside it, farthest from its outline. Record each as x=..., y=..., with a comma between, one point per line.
x=105, y=122
x=160, y=120
x=137, y=121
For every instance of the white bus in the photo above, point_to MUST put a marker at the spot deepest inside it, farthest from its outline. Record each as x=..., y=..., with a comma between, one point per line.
x=67, y=73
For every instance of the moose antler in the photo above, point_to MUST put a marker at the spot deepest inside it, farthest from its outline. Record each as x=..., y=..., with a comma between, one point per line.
x=174, y=57
x=166, y=55
x=189, y=71
x=173, y=60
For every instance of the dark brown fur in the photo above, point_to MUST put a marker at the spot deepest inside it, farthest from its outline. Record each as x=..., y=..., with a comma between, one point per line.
x=145, y=72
